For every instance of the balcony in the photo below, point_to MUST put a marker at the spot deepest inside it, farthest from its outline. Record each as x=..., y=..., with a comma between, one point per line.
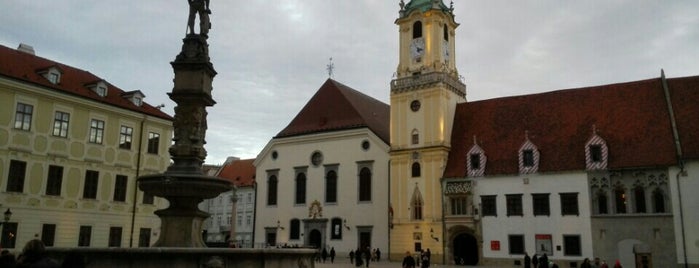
x=418, y=81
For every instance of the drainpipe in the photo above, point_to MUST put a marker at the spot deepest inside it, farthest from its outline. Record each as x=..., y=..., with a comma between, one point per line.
x=254, y=213
x=138, y=173
x=680, y=161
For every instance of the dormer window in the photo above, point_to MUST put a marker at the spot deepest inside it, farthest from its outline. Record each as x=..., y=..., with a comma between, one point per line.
x=52, y=74
x=528, y=158
x=476, y=160
x=136, y=97
x=100, y=88
x=596, y=153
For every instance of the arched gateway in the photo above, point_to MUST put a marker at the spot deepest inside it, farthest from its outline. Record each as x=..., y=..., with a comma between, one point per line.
x=465, y=249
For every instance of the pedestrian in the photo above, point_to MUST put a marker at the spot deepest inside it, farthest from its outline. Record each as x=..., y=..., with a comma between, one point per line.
x=596, y=264
x=7, y=259
x=408, y=261
x=351, y=255
x=535, y=261
x=378, y=254
x=367, y=255
x=358, y=261
x=585, y=263
x=617, y=264
x=332, y=255
x=426, y=258
x=324, y=255
x=544, y=261
x=527, y=261
x=34, y=255
x=604, y=264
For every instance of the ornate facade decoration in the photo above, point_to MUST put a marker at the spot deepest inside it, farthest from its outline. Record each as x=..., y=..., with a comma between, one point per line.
x=457, y=188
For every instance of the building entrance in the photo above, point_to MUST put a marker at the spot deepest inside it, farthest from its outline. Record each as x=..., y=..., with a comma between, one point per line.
x=465, y=249
x=315, y=239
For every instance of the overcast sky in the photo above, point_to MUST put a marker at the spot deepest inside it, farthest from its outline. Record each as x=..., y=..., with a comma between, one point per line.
x=271, y=56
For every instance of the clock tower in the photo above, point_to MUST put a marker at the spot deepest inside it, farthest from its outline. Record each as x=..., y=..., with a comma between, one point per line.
x=424, y=96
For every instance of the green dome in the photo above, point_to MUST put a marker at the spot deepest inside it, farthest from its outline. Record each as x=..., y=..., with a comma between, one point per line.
x=423, y=6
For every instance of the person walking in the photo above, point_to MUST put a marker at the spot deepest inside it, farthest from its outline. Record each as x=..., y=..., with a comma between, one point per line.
x=617, y=264
x=408, y=261
x=586, y=263
x=378, y=254
x=358, y=258
x=332, y=255
x=527, y=261
x=324, y=255
x=351, y=255
x=535, y=261
x=544, y=261
x=426, y=258
x=367, y=255
x=34, y=255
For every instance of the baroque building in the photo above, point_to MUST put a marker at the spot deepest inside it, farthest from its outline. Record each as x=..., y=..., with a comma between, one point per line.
x=71, y=148
x=322, y=181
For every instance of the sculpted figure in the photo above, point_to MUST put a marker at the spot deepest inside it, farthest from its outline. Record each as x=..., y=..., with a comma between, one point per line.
x=200, y=7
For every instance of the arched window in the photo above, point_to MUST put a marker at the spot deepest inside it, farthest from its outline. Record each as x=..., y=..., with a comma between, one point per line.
x=365, y=184
x=658, y=201
x=446, y=32
x=417, y=29
x=416, y=170
x=416, y=205
x=336, y=231
x=331, y=187
x=300, y=188
x=415, y=137
x=272, y=190
x=295, y=229
x=639, y=196
x=620, y=200
x=602, y=203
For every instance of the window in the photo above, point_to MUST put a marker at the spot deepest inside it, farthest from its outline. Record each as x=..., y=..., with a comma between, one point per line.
x=60, y=124
x=85, y=236
x=488, y=204
x=602, y=203
x=120, y=188
x=415, y=137
x=23, y=117
x=639, y=196
x=446, y=32
x=331, y=187
x=658, y=201
x=272, y=190
x=90, y=187
x=365, y=184
x=415, y=170
x=9, y=231
x=101, y=91
x=541, y=204
x=249, y=197
x=96, y=131
x=48, y=234
x=475, y=161
x=571, y=245
x=148, y=199
x=300, y=188
x=514, y=204
x=620, y=200
x=417, y=29
x=153, y=142
x=144, y=238
x=239, y=221
x=295, y=229
x=336, y=231
x=596, y=153
x=114, y=237
x=569, y=204
x=228, y=219
x=516, y=244
x=125, y=137
x=53, y=78
x=528, y=158
x=417, y=208
x=54, y=180
x=248, y=220
x=459, y=205
x=15, y=176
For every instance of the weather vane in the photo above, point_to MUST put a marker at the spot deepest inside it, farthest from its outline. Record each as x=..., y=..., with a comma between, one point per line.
x=330, y=67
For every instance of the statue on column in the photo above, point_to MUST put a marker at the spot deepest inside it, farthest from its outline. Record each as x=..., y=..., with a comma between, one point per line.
x=200, y=7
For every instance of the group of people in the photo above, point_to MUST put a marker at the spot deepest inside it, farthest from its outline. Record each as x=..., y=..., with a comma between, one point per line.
x=34, y=256
x=422, y=258
x=543, y=262
x=324, y=254
x=364, y=256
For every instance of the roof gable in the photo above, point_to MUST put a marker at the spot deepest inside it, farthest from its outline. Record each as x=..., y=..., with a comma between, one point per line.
x=632, y=117
x=338, y=107
x=30, y=68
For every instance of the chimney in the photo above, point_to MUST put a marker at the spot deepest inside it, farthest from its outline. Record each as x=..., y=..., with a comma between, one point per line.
x=26, y=48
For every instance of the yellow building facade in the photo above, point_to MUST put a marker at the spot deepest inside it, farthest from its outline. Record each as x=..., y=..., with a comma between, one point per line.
x=71, y=148
x=423, y=101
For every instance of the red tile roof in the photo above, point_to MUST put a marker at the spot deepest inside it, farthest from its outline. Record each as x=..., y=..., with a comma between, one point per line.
x=240, y=172
x=25, y=67
x=631, y=117
x=338, y=107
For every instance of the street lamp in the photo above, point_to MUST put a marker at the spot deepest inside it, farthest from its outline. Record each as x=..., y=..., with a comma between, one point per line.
x=8, y=214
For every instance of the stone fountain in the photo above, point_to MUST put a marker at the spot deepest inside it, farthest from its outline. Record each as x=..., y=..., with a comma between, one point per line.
x=184, y=184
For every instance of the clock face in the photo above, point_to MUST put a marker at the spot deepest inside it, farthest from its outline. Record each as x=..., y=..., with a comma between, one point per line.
x=417, y=47
x=445, y=50
x=415, y=105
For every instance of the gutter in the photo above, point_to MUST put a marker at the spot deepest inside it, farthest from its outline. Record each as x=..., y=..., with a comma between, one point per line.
x=680, y=161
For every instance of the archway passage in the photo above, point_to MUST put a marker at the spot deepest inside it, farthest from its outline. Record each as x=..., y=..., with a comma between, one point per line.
x=315, y=239
x=465, y=250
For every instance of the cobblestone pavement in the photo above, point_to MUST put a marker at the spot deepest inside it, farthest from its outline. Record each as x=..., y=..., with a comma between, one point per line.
x=344, y=263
